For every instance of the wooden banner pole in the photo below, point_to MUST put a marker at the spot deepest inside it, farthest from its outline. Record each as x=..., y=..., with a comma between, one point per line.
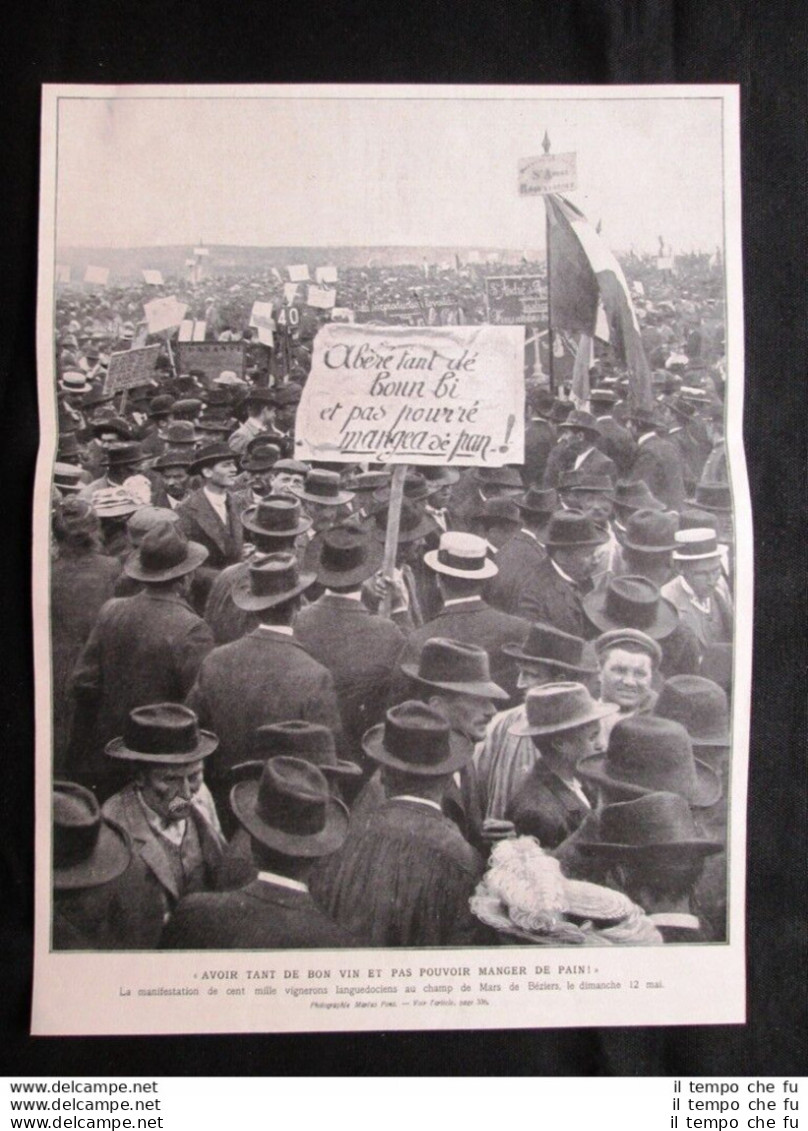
x=391, y=537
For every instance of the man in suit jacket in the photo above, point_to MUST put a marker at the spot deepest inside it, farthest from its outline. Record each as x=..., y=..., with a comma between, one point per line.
x=360, y=649
x=463, y=568
x=177, y=846
x=699, y=591
x=659, y=462
x=565, y=576
x=615, y=441
x=142, y=649
x=519, y=559
x=266, y=676
x=209, y=516
x=293, y=822
x=540, y=437
x=579, y=452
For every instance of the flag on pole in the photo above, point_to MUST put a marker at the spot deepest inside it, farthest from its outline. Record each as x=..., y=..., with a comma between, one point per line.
x=590, y=293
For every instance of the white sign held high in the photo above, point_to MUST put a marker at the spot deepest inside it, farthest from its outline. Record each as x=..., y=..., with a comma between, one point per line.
x=298, y=273
x=164, y=313
x=552, y=172
x=417, y=395
x=323, y=298
x=325, y=275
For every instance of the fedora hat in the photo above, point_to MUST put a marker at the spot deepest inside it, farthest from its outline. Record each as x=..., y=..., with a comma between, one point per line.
x=260, y=455
x=88, y=849
x=162, y=405
x=312, y=742
x=635, y=495
x=276, y=516
x=272, y=579
x=324, y=487
x=113, y=502
x=162, y=733
x=713, y=497
x=289, y=808
x=496, y=510
x=647, y=754
x=455, y=666
x=416, y=738
x=186, y=409
x=344, y=556
x=497, y=477
x=369, y=481
x=650, y=531
x=554, y=707
x=580, y=419
x=658, y=824
x=560, y=410
x=125, y=454
x=548, y=645
x=164, y=555
x=416, y=488
x=570, y=529
x=114, y=424
x=258, y=395
x=461, y=555
x=172, y=458
x=209, y=455
x=681, y=407
x=538, y=501
x=217, y=426
x=414, y=524
x=644, y=417
x=631, y=602
x=630, y=638
x=585, y=481
x=220, y=397
x=438, y=476
x=696, y=544
x=700, y=705
x=69, y=446
x=603, y=397
x=287, y=395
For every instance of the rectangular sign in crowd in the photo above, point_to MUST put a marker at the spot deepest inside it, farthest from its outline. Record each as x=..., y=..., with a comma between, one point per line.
x=414, y=395
x=211, y=358
x=131, y=368
x=516, y=299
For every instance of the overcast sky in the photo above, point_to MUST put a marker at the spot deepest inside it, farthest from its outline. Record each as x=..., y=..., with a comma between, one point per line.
x=348, y=170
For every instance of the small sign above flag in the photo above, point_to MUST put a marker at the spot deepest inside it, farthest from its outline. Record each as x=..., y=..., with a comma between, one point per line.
x=552, y=172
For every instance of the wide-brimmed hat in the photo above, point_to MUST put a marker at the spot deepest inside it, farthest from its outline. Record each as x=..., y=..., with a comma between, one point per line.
x=344, y=556
x=147, y=518
x=455, y=666
x=161, y=406
x=585, y=481
x=417, y=738
x=114, y=424
x=260, y=455
x=414, y=524
x=290, y=809
x=497, y=477
x=217, y=425
x=67, y=477
x=603, y=397
x=499, y=509
x=312, y=742
x=437, y=477
x=209, y=455
x=324, y=487
x=696, y=544
x=635, y=495
x=185, y=409
x=416, y=488
x=580, y=419
x=287, y=395
x=567, y=530
x=74, y=381
x=258, y=395
x=650, y=531
x=647, y=754
x=538, y=501
x=631, y=602
x=162, y=733
x=293, y=465
x=126, y=454
x=68, y=446
x=548, y=645
x=644, y=417
x=630, y=638
x=713, y=497
x=181, y=434
x=113, y=502
x=173, y=458
x=271, y=580
x=368, y=481
x=700, y=705
x=276, y=516
x=88, y=849
x=164, y=555
x=657, y=825
x=461, y=555
x=554, y=707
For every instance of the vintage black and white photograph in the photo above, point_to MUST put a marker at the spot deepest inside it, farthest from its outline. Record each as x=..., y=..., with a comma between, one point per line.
x=393, y=557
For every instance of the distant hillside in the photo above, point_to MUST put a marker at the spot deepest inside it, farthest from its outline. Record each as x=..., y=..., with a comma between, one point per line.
x=223, y=259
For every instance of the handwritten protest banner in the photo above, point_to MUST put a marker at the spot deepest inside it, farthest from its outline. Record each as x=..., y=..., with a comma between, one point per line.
x=164, y=313
x=131, y=368
x=298, y=273
x=427, y=395
x=515, y=300
x=211, y=358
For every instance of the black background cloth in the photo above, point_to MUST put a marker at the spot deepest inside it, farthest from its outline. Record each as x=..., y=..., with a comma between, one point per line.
x=761, y=46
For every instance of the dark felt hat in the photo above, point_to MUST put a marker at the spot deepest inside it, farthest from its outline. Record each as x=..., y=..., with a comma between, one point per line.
x=437, y=477
x=497, y=510
x=580, y=419
x=635, y=495
x=647, y=754
x=555, y=707
x=272, y=579
x=187, y=408
x=287, y=395
x=290, y=809
x=416, y=488
x=344, y=556
x=650, y=531
x=658, y=825
x=209, y=455
x=585, y=481
x=416, y=738
x=114, y=424
x=538, y=501
x=455, y=666
x=276, y=516
x=181, y=434
x=162, y=733
x=161, y=406
x=69, y=446
x=88, y=849
x=125, y=454
x=713, y=497
x=700, y=705
x=548, y=645
x=497, y=477
x=631, y=602
x=324, y=487
x=414, y=524
x=164, y=555
x=312, y=742
x=174, y=457
x=570, y=529
x=260, y=454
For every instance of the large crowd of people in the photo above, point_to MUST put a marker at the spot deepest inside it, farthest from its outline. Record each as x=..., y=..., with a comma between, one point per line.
x=262, y=739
